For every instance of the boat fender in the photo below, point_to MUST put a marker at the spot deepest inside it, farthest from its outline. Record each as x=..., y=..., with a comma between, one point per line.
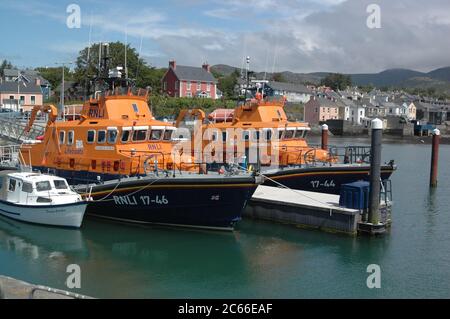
x=116, y=166
x=72, y=163
x=93, y=164
x=122, y=165
x=108, y=166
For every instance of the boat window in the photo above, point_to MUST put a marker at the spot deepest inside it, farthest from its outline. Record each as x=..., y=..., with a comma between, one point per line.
x=139, y=135
x=112, y=136
x=289, y=134
x=167, y=135
x=135, y=108
x=12, y=185
x=224, y=136
x=256, y=135
x=62, y=137
x=43, y=186
x=299, y=133
x=280, y=134
x=91, y=136
x=101, y=137
x=125, y=136
x=268, y=135
x=155, y=135
x=60, y=184
x=245, y=135
x=27, y=187
x=214, y=136
x=70, y=137
x=43, y=200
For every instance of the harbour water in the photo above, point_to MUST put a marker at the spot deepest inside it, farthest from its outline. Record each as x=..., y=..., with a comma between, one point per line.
x=259, y=259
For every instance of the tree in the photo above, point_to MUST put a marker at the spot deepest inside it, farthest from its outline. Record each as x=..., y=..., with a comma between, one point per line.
x=5, y=65
x=278, y=77
x=337, y=81
x=138, y=69
x=227, y=84
x=54, y=75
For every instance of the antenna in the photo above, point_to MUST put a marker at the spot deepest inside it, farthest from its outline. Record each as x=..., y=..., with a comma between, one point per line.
x=139, y=58
x=126, y=43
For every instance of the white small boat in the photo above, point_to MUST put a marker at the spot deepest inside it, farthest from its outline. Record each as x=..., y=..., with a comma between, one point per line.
x=40, y=199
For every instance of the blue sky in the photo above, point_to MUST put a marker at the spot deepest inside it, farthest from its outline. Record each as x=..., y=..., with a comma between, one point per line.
x=297, y=35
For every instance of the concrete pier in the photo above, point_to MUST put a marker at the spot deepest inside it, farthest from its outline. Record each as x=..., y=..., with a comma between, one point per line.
x=11, y=288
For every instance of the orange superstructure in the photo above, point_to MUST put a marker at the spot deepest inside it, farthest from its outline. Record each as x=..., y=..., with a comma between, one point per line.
x=116, y=134
x=262, y=122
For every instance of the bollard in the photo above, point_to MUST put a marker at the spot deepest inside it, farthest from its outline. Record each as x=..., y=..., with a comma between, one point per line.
x=375, y=172
x=325, y=137
x=434, y=158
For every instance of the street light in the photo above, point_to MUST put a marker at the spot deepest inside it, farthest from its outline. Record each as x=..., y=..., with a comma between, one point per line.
x=61, y=102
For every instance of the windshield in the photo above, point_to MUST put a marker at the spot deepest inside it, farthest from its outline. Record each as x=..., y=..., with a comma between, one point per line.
x=43, y=186
x=60, y=184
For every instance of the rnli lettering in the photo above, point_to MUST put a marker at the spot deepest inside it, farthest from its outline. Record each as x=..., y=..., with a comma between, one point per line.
x=73, y=151
x=154, y=147
x=140, y=200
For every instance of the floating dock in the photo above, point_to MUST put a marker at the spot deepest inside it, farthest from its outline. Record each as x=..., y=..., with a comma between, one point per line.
x=309, y=210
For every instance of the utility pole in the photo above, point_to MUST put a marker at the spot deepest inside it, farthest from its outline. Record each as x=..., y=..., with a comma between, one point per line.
x=61, y=95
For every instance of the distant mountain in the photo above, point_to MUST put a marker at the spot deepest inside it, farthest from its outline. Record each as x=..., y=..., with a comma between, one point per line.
x=401, y=78
x=390, y=77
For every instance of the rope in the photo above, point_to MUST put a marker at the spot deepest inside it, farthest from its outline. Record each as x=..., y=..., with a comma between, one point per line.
x=104, y=199
x=286, y=187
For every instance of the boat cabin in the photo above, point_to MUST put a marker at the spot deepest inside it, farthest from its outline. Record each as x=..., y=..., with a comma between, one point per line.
x=29, y=188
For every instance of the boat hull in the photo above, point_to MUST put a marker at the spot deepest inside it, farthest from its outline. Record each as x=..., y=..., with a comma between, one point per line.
x=200, y=203
x=327, y=179
x=64, y=215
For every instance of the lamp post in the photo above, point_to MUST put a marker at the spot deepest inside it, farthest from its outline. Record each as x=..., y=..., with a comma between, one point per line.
x=61, y=95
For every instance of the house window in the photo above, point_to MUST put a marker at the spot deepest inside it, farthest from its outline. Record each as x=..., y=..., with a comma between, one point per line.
x=177, y=85
x=199, y=86
x=165, y=85
x=33, y=100
x=22, y=100
x=11, y=97
x=70, y=138
x=90, y=136
x=208, y=87
x=62, y=137
x=188, y=85
x=101, y=137
x=188, y=94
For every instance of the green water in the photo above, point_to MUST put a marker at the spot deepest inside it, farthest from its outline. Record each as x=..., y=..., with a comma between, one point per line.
x=258, y=260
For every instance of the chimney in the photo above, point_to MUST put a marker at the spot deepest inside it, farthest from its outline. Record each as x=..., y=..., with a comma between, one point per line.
x=206, y=67
x=38, y=81
x=173, y=64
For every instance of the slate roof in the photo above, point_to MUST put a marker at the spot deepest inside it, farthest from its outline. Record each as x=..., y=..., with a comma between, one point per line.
x=193, y=73
x=11, y=87
x=30, y=75
x=289, y=87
